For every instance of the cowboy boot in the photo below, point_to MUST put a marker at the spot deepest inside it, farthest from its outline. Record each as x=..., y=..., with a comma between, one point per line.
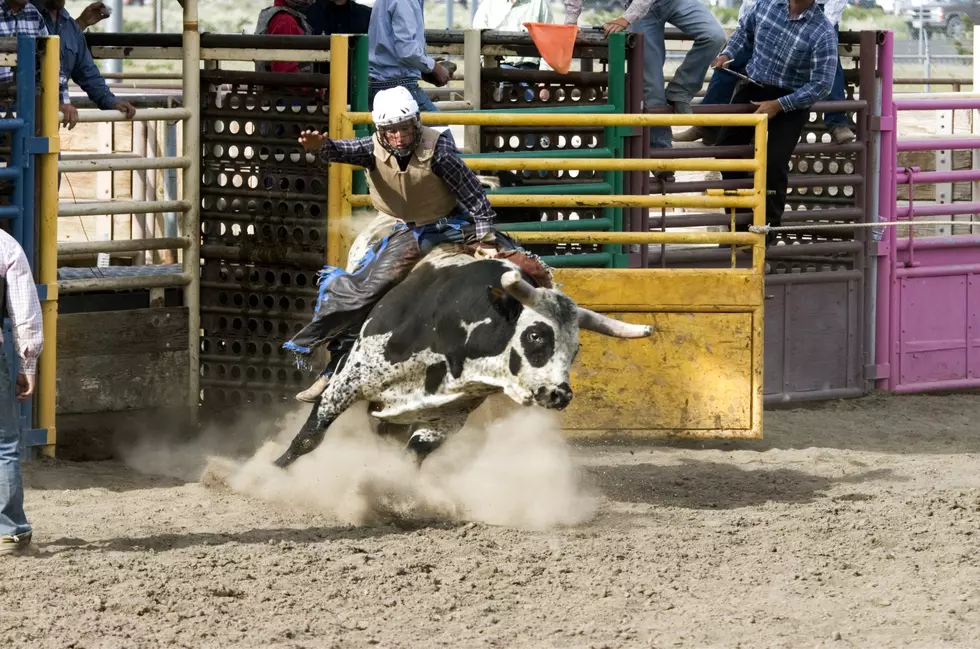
x=312, y=393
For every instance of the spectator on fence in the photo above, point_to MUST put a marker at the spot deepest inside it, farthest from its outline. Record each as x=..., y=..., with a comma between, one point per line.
x=24, y=310
x=722, y=86
x=793, y=58
x=284, y=18
x=76, y=59
x=397, y=57
x=20, y=18
x=649, y=18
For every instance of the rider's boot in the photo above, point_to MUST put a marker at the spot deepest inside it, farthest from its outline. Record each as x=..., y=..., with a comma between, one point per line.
x=312, y=393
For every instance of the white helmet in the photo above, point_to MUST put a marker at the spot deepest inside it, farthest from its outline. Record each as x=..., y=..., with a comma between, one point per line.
x=394, y=106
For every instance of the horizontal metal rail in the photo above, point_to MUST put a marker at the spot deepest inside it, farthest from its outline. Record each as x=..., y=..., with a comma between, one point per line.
x=947, y=209
x=138, y=53
x=926, y=177
x=251, y=54
x=454, y=105
x=538, y=200
x=89, y=116
x=938, y=143
x=101, y=156
x=121, y=207
x=937, y=104
x=70, y=286
x=493, y=118
x=638, y=238
x=11, y=124
x=142, y=75
x=122, y=245
x=131, y=164
x=607, y=164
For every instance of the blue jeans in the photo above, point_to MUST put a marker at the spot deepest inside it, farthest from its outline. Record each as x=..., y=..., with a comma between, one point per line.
x=721, y=87
x=694, y=19
x=13, y=521
x=833, y=120
x=422, y=99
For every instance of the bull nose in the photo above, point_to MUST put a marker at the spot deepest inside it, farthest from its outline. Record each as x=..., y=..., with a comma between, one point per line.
x=556, y=398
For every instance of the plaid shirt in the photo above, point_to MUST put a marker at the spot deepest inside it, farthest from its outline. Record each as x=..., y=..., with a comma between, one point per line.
x=798, y=54
x=23, y=306
x=833, y=9
x=27, y=22
x=446, y=164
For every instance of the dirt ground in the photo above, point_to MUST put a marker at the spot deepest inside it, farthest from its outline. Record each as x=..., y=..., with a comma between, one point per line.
x=853, y=524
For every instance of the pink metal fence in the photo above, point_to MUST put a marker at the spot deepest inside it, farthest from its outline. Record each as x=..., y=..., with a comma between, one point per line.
x=928, y=289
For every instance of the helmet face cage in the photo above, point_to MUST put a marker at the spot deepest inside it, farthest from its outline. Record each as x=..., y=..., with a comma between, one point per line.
x=406, y=148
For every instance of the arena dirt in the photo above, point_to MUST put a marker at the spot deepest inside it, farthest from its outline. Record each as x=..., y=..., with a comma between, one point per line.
x=852, y=524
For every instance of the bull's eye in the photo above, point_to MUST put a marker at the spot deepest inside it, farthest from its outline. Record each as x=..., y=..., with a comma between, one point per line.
x=538, y=344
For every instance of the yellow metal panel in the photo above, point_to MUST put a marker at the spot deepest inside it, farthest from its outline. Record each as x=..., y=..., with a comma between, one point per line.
x=693, y=377
x=699, y=375
x=661, y=289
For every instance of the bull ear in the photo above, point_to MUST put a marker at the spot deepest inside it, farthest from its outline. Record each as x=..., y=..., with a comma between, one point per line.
x=503, y=303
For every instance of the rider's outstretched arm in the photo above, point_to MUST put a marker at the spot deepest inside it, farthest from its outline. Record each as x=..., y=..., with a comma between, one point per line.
x=464, y=184
x=358, y=151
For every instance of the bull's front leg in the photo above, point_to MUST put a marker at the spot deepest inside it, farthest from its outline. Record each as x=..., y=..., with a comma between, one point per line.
x=338, y=397
x=430, y=436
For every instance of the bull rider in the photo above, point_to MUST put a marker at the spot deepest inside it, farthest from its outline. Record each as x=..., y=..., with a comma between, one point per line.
x=425, y=195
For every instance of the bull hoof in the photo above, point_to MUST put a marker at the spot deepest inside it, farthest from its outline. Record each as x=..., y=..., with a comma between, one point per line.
x=285, y=460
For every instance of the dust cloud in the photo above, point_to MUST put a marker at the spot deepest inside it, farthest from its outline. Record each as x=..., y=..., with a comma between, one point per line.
x=514, y=471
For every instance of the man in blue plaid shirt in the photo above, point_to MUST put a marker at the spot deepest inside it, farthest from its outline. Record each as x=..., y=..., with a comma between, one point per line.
x=17, y=18
x=794, y=60
x=426, y=196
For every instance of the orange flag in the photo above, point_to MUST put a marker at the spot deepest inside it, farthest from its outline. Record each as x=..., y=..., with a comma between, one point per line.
x=555, y=43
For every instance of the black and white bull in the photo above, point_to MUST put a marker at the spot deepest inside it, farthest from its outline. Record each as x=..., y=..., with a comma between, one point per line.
x=454, y=332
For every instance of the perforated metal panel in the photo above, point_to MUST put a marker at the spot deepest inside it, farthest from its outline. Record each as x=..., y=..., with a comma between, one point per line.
x=535, y=89
x=263, y=227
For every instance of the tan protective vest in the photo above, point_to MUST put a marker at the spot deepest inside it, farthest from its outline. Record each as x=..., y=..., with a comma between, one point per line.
x=415, y=195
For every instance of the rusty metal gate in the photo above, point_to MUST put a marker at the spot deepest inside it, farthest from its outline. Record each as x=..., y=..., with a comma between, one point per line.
x=263, y=227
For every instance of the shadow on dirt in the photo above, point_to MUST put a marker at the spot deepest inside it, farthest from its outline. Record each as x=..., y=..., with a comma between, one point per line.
x=278, y=537
x=710, y=485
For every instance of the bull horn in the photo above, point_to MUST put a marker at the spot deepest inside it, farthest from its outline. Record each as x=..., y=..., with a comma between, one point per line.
x=606, y=326
x=521, y=290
